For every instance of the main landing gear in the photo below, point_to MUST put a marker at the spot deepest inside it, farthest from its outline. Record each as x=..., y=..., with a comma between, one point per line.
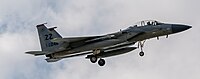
x=101, y=62
x=93, y=58
x=140, y=45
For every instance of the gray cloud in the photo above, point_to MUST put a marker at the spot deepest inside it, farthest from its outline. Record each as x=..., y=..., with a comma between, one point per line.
x=172, y=58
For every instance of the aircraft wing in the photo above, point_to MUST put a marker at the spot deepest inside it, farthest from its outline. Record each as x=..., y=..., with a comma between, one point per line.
x=74, y=39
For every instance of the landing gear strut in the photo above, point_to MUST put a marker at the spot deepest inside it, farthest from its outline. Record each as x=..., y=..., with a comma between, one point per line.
x=140, y=45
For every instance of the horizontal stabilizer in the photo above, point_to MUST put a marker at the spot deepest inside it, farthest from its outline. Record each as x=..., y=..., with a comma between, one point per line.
x=37, y=53
x=74, y=55
x=67, y=56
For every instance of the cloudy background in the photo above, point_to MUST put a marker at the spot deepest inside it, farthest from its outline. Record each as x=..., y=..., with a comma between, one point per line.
x=177, y=57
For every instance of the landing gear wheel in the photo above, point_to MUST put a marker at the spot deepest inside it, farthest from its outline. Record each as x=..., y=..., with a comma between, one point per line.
x=141, y=53
x=93, y=59
x=101, y=62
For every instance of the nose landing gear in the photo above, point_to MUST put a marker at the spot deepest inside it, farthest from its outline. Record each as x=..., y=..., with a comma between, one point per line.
x=141, y=53
x=140, y=45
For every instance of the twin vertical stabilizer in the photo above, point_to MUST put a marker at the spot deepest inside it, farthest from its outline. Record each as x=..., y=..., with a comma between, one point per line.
x=45, y=36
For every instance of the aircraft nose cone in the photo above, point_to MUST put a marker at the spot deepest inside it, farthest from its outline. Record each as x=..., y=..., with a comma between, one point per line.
x=178, y=28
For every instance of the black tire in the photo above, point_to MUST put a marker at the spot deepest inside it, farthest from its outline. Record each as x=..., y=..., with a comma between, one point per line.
x=93, y=59
x=101, y=62
x=141, y=53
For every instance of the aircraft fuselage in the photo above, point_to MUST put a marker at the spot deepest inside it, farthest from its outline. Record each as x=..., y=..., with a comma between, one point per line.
x=129, y=35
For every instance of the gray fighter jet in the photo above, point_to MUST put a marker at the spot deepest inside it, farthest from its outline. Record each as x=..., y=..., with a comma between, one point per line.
x=55, y=47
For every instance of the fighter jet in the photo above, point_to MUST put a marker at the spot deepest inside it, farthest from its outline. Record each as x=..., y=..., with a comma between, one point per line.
x=96, y=48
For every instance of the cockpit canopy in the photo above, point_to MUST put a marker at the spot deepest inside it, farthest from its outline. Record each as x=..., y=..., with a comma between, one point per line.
x=143, y=23
x=147, y=22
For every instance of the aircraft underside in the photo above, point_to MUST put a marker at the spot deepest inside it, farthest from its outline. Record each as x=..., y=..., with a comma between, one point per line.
x=94, y=55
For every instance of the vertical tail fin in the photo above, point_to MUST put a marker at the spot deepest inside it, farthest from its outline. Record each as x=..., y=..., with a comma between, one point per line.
x=45, y=36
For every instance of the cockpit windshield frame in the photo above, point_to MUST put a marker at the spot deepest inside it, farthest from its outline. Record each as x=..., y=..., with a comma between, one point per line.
x=147, y=22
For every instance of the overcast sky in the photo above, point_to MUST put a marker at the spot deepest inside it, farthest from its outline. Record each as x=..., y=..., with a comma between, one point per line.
x=176, y=57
